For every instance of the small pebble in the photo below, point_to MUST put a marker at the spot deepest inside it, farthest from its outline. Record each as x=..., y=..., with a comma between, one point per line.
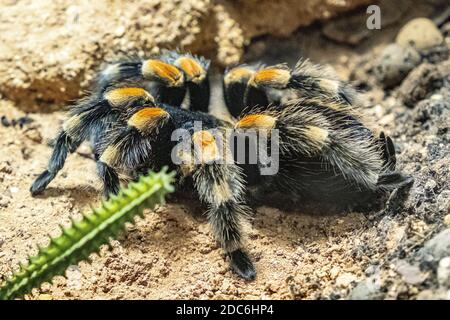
x=394, y=64
x=443, y=202
x=421, y=33
x=447, y=220
x=14, y=189
x=345, y=280
x=443, y=272
x=34, y=135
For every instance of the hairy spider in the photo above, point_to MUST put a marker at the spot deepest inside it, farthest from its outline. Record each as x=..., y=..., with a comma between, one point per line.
x=133, y=120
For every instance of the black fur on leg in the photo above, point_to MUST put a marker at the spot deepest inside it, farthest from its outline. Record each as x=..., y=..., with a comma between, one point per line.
x=199, y=95
x=63, y=145
x=242, y=265
x=393, y=180
x=222, y=188
x=42, y=182
x=255, y=97
x=170, y=95
x=111, y=183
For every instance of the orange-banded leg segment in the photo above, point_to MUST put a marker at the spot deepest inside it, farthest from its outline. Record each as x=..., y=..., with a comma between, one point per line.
x=165, y=73
x=146, y=120
x=197, y=82
x=193, y=70
x=256, y=121
x=234, y=87
x=123, y=96
x=271, y=77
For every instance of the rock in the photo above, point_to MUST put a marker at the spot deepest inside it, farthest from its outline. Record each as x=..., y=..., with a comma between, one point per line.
x=438, y=246
x=410, y=273
x=427, y=295
x=353, y=29
x=443, y=204
x=394, y=64
x=435, y=54
x=334, y=272
x=423, y=81
x=34, y=135
x=430, y=185
x=4, y=201
x=62, y=43
x=443, y=272
x=345, y=280
x=447, y=220
x=368, y=289
x=421, y=33
x=5, y=167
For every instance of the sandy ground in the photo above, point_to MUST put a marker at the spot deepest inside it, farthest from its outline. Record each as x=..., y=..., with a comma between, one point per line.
x=171, y=254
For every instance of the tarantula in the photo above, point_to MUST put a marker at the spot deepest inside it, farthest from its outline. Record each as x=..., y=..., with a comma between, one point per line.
x=324, y=150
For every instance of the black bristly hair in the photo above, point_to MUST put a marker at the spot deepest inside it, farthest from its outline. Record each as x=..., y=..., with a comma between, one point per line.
x=195, y=70
x=89, y=120
x=257, y=86
x=131, y=148
x=326, y=153
x=137, y=138
x=159, y=75
x=234, y=85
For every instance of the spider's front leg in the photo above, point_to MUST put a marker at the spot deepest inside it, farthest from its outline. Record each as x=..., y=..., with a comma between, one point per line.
x=195, y=69
x=167, y=82
x=128, y=146
x=89, y=120
x=221, y=187
x=234, y=85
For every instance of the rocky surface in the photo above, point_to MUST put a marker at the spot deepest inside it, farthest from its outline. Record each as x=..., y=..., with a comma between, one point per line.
x=50, y=49
x=398, y=253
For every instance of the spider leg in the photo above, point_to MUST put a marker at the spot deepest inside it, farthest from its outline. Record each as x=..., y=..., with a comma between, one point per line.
x=307, y=80
x=234, y=85
x=167, y=81
x=307, y=130
x=63, y=146
x=195, y=70
x=221, y=187
x=255, y=97
x=109, y=177
x=128, y=145
x=75, y=130
x=199, y=95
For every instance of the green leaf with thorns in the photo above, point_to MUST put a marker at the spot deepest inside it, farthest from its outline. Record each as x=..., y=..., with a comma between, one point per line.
x=86, y=236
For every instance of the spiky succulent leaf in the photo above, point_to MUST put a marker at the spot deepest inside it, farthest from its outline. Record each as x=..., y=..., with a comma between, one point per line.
x=86, y=236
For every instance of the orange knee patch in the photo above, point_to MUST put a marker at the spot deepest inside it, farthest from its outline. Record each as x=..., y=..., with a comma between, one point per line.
x=147, y=119
x=120, y=96
x=257, y=121
x=272, y=77
x=165, y=72
x=237, y=75
x=205, y=144
x=192, y=68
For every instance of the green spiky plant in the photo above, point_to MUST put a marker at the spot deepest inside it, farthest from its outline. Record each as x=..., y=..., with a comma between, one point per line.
x=86, y=236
